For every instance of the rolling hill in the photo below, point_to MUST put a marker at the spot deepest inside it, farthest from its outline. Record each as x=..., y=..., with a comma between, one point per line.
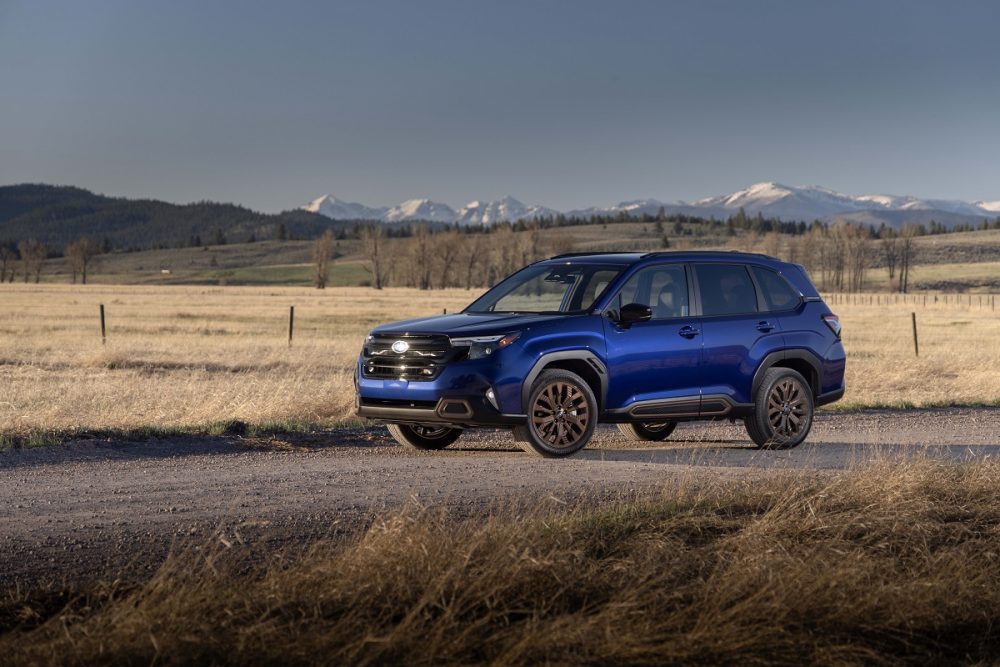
x=56, y=215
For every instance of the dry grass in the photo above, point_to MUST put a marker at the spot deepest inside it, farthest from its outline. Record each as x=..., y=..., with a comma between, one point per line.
x=893, y=565
x=186, y=357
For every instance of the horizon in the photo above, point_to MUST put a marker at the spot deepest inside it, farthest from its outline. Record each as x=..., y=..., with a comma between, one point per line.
x=565, y=107
x=456, y=207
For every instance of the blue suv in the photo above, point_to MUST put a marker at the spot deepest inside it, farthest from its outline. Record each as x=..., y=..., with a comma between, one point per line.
x=643, y=341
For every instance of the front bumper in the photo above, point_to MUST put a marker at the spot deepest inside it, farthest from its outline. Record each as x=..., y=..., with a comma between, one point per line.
x=459, y=411
x=456, y=397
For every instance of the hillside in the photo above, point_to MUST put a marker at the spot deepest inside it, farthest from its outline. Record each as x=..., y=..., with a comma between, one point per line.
x=56, y=215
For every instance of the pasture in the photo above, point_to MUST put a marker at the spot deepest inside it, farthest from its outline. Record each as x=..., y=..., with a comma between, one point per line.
x=189, y=357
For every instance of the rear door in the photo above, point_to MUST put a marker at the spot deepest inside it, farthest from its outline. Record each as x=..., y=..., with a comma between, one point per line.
x=659, y=359
x=737, y=331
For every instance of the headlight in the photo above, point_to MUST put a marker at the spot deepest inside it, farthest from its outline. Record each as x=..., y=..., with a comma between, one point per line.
x=484, y=346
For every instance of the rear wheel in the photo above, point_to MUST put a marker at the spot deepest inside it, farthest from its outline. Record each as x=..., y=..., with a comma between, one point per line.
x=562, y=415
x=654, y=431
x=424, y=436
x=783, y=410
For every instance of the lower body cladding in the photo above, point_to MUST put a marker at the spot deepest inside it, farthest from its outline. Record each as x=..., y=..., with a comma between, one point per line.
x=708, y=406
x=457, y=411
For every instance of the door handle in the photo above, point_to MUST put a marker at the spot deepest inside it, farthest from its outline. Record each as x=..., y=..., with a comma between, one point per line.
x=688, y=331
x=764, y=326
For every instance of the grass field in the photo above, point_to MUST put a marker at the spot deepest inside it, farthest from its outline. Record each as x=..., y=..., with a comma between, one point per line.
x=968, y=261
x=190, y=357
x=896, y=564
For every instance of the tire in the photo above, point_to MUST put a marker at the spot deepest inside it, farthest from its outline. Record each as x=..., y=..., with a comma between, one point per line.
x=648, y=431
x=424, y=436
x=562, y=415
x=783, y=410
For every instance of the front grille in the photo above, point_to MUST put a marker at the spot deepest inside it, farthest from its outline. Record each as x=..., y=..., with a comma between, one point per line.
x=424, y=358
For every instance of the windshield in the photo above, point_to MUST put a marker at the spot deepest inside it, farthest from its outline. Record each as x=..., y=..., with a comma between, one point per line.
x=547, y=289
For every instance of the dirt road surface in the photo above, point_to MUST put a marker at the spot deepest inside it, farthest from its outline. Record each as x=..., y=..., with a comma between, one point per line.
x=115, y=509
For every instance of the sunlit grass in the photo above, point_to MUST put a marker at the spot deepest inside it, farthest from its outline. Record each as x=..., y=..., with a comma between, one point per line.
x=187, y=357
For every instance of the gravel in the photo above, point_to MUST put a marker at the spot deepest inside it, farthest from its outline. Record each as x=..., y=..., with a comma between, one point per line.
x=114, y=510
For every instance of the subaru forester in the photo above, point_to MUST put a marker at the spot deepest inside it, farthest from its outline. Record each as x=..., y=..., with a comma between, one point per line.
x=643, y=341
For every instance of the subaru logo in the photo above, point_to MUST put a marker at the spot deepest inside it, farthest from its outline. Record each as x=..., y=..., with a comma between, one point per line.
x=400, y=346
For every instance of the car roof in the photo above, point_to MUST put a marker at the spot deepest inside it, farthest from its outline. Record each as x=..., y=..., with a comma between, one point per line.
x=629, y=258
x=795, y=273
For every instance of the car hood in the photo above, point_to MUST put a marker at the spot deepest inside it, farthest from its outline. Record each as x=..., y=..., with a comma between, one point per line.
x=466, y=324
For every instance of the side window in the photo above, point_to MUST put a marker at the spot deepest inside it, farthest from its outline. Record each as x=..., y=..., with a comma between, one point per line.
x=778, y=294
x=726, y=289
x=663, y=288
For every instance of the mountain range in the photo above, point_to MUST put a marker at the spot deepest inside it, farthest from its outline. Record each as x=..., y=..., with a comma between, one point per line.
x=772, y=200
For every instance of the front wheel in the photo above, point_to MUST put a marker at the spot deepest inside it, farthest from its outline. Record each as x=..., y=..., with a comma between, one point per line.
x=783, y=410
x=562, y=415
x=423, y=436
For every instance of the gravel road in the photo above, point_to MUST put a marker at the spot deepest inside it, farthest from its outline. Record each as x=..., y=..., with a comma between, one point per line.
x=115, y=509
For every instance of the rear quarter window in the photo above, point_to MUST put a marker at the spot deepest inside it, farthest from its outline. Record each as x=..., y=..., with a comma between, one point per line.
x=778, y=294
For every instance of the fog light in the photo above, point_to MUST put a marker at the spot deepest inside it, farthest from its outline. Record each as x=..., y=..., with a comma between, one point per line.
x=492, y=398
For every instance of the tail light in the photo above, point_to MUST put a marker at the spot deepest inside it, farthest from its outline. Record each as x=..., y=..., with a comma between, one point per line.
x=833, y=322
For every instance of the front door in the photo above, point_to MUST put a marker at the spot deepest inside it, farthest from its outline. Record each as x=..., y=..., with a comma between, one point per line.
x=653, y=366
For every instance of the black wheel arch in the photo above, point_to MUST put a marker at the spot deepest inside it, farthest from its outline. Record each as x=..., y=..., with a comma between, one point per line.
x=584, y=363
x=806, y=363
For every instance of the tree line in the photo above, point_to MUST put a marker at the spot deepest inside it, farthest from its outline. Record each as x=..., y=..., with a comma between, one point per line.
x=838, y=256
x=30, y=254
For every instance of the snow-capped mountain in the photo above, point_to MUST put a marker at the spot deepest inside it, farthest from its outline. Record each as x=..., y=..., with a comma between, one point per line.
x=811, y=202
x=506, y=209
x=420, y=209
x=636, y=207
x=773, y=200
x=339, y=209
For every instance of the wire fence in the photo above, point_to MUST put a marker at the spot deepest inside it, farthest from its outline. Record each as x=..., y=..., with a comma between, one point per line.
x=923, y=299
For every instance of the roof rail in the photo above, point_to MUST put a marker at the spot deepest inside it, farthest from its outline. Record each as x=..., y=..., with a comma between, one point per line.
x=667, y=253
x=593, y=252
x=664, y=253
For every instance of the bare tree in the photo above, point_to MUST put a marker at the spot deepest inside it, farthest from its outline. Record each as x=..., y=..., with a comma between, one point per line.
x=322, y=252
x=448, y=246
x=857, y=256
x=421, y=257
x=819, y=241
x=772, y=244
x=890, y=251
x=33, y=254
x=473, y=252
x=906, y=252
x=373, y=246
x=7, y=258
x=80, y=253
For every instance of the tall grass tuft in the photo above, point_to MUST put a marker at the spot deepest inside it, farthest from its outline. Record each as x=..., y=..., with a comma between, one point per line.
x=895, y=564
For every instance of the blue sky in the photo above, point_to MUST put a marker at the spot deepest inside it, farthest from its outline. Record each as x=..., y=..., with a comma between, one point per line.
x=564, y=104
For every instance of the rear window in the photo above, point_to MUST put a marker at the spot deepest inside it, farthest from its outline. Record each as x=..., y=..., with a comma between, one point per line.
x=726, y=289
x=778, y=294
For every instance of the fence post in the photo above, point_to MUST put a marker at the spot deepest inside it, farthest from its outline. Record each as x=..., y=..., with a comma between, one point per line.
x=291, y=323
x=104, y=331
x=916, y=346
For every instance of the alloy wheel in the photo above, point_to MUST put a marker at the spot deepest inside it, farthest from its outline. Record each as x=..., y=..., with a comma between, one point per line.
x=560, y=415
x=787, y=408
x=430, y=432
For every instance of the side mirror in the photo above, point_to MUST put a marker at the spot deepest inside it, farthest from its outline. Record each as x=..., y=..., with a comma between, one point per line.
x=634, y=312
